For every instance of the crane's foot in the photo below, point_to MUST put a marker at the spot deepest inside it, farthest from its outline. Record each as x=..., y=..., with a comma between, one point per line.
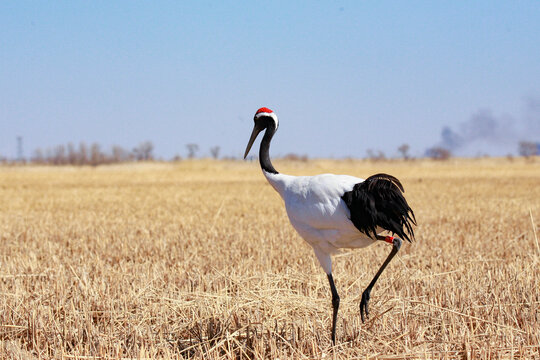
x=364, y=309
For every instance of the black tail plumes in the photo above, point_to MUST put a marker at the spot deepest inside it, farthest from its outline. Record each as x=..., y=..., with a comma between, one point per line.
x=379, y=202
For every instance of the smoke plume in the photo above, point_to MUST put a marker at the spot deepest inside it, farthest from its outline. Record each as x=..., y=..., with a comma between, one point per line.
x=488, y=134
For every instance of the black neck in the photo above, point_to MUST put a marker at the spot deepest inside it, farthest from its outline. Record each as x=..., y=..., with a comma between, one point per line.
x=264, y=151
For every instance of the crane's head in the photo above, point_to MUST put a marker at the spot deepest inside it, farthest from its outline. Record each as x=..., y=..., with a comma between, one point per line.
x=264, y=118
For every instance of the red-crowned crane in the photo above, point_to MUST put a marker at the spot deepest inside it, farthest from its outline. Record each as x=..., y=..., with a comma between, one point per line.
x=331, y=212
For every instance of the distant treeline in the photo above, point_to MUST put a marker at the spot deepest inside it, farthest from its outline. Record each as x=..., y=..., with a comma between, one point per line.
x=93, y=154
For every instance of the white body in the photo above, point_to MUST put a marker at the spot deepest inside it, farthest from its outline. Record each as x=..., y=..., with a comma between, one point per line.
x=319, y=214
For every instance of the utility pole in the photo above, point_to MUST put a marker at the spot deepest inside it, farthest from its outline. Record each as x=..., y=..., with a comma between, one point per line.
x=20, y=154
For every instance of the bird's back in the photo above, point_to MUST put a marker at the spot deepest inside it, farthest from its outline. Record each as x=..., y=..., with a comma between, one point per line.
x=317, y=211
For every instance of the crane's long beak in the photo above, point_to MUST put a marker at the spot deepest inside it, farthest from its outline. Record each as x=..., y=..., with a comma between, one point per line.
x=254, y=133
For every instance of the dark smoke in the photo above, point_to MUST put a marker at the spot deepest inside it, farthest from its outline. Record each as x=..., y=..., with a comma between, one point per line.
x=486, y=133
x=532, y=116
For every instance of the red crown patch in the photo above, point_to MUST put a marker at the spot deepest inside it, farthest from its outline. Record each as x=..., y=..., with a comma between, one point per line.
x=264, y=110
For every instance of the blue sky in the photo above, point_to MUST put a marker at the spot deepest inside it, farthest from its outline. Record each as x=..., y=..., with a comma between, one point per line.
x=343, y=76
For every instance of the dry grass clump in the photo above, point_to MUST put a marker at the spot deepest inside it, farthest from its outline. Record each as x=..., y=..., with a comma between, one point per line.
x=198, y=260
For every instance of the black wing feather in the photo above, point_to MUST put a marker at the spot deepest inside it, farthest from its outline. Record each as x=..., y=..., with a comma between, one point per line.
x=379, y=202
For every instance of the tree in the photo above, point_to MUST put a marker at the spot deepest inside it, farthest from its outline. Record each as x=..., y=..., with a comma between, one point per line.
x=143, y=152
x=528, y=148
x=192, y=150
x=71, y=154
x=96, y=156
x=82, y=157
x=59, y=157
x=438, y=153
x=38, y=157
x=119, y=154
x=375, y=155
x=215, y=151
x=404, y=150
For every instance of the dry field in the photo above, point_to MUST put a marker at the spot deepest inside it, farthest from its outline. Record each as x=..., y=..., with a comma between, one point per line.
x=198, y=260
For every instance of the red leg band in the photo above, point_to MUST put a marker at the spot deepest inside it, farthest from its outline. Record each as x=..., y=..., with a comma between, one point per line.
x=389, y=239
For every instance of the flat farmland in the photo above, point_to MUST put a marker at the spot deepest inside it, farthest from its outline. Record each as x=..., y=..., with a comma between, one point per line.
x=197, y=259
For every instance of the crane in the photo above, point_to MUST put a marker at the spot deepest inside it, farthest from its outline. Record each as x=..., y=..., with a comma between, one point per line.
x=331, y=212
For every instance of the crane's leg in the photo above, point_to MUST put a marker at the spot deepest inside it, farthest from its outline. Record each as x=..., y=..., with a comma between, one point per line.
x=335, y=305
x=396, y=245
x=326, y=263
